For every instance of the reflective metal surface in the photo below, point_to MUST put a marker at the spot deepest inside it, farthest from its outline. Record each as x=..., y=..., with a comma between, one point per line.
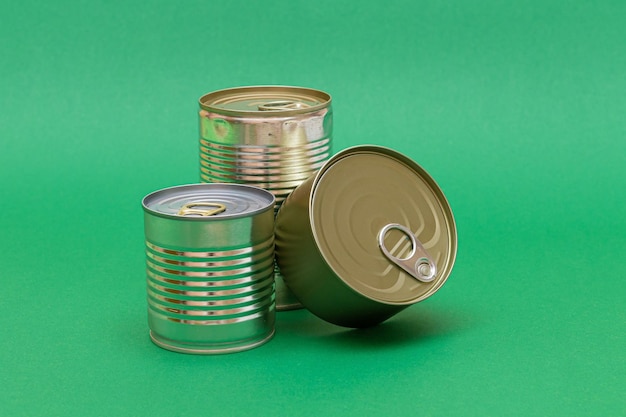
x=418, y=263
x=273, y=137
x=210, y=280
x=342, y=237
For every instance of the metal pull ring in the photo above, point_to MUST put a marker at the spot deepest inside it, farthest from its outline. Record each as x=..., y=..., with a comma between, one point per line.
x=418, y=264
x=188, y=209
x=282, y=105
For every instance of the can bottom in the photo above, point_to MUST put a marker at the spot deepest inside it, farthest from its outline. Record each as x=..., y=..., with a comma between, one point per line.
x=199, y=349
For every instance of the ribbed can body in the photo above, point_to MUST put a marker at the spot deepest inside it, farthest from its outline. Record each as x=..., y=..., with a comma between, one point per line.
x=282, y=152
x=210, y=286
x=276, y=152
x=241, y=141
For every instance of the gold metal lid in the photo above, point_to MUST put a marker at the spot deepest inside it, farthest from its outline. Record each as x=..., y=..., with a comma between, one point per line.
x=383, y=225
x=265, y=101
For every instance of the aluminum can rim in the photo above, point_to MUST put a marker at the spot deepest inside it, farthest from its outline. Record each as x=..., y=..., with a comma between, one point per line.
x=242, y=187
x=424, y=174
x=206, y=101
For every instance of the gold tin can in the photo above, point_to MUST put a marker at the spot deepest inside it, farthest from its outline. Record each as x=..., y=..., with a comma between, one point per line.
x=209, y=267
x=273, y=137
x=369, y=235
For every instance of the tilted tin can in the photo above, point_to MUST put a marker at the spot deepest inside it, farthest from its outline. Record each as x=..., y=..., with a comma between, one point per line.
x=210, y=265
x=370, y=234
x=273, y=137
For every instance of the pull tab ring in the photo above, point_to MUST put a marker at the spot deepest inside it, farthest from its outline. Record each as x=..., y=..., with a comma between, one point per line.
x=418, y=264
x=282, y=105
x=188, y=209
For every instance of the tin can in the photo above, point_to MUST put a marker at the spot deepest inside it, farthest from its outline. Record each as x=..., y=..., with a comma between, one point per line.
x=210, y=264
x=369, y=235
x=273, y=137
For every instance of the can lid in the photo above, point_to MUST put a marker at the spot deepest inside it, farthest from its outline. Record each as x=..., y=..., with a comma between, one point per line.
x=208, y=202
x=383, y=225
x=265, y=101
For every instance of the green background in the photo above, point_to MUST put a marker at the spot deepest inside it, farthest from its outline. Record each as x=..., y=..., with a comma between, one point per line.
x=517, y=109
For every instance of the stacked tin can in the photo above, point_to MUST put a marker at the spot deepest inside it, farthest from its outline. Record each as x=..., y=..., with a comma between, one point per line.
x=272, y=137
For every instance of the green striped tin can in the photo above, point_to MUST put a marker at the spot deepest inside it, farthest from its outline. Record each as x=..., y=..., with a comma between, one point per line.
x=209, y=266
x=273, y=137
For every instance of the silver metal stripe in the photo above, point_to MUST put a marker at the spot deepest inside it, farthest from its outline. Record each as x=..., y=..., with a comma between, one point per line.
x=248, y=260
x=274, y=150
x=182, y=291
x=286, y=158
x=273, y=179
x=216, y=273
x=214, y=254
x=294, y=172
x=291, y=163
x=204, y=314
x=211, y=304
x=258, y=161
x=214, y=281
x=267, y=183
x=215, y=322
x=253, y=179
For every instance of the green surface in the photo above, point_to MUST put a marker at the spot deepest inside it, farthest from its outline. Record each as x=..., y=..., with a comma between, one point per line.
x=517, y=109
